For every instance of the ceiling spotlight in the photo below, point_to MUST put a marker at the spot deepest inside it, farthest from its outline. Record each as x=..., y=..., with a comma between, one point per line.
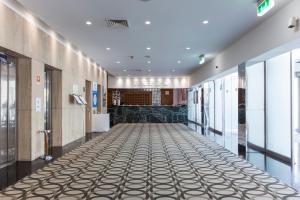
x=88, y=23
x=149, y=62
x=147, y=22
x=107, y=48
x=205, y=22
x=178, y=61
x=124, y=70
x=118, y=62
x=149, y=70
x=188, y=48
x=148, y=48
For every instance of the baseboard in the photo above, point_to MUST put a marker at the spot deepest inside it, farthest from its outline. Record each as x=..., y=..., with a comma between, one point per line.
x=271, y=154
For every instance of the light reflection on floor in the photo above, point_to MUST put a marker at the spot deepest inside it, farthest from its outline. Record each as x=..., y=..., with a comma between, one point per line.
x=280, y=170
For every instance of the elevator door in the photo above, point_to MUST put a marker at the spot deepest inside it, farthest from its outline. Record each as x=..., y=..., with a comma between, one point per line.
x=48, y=106
x=47, y=100
x=7, y=109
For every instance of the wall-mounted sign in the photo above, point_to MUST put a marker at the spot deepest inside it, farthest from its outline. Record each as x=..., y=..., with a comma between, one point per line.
x=264, y=6
x=38, y=104
x=95, y=99
x=75, y=89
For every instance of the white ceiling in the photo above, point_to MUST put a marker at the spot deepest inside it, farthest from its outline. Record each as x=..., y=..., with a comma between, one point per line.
x=176, y=24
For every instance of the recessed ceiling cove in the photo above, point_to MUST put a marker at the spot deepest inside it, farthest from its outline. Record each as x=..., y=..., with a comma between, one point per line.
x=152, y=36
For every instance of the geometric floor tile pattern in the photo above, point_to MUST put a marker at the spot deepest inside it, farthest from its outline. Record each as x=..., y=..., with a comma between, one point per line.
x=150, y=161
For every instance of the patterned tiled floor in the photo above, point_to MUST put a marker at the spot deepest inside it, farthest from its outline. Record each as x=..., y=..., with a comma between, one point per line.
x=149, y=161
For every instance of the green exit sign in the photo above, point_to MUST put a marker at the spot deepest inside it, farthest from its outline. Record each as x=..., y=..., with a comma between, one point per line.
x=264, y=6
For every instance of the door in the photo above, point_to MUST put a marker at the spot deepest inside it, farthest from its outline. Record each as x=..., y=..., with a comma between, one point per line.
x=7, y=109
x=48, y=106
x=47, y=99
x=167, y=97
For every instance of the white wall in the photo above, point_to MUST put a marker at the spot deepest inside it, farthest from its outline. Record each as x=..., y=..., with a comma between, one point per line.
x=148, y=82
x=270, y=34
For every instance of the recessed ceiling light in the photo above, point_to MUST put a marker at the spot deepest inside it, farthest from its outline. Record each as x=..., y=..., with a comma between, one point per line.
x=178, y=61
x=88, y=23
x=107, y=48
x=147, y=22
x=148, y=48
x=205, y=22
x=124, y=70
x=118, y=62
x=188, y=48
x=173, y=70
x=149, y=70
x=149, y=62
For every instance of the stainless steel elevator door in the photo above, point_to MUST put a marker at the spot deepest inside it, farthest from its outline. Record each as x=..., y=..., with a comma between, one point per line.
x=7, y=110
x=11, y=115
x=47, y=100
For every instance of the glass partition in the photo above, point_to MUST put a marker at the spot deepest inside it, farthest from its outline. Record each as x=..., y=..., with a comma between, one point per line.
x=231, y=112
x=278, y=80
x=199, y=106
x=219, y=90
x=211, y=104
x=191, y=106
x=255, y=104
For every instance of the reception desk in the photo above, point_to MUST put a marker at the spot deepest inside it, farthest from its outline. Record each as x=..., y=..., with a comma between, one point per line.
x=148, y=114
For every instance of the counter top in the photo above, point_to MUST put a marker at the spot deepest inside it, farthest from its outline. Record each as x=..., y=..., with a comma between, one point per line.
x=148, y=114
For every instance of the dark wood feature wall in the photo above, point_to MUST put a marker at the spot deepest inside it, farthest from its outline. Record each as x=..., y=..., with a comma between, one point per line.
x=166, y=97
x=131, y=97
x=137, y=98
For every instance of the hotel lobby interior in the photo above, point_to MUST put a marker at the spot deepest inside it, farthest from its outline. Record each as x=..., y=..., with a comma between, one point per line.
x=150, y=99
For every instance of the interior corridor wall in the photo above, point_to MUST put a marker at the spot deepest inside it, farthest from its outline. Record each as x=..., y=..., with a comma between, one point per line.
x=25, y=38
x=220, y=110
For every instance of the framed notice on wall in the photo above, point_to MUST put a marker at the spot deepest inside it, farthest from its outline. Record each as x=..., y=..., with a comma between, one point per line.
x=95, y=99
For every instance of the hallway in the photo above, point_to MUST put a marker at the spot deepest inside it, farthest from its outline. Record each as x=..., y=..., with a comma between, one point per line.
x=149, y=161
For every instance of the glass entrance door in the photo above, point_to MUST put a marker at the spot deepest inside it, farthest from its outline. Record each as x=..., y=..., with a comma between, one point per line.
x=7, y=109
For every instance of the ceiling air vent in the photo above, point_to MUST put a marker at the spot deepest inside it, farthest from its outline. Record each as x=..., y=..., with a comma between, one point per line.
x=134, y=70
x=111, y=23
